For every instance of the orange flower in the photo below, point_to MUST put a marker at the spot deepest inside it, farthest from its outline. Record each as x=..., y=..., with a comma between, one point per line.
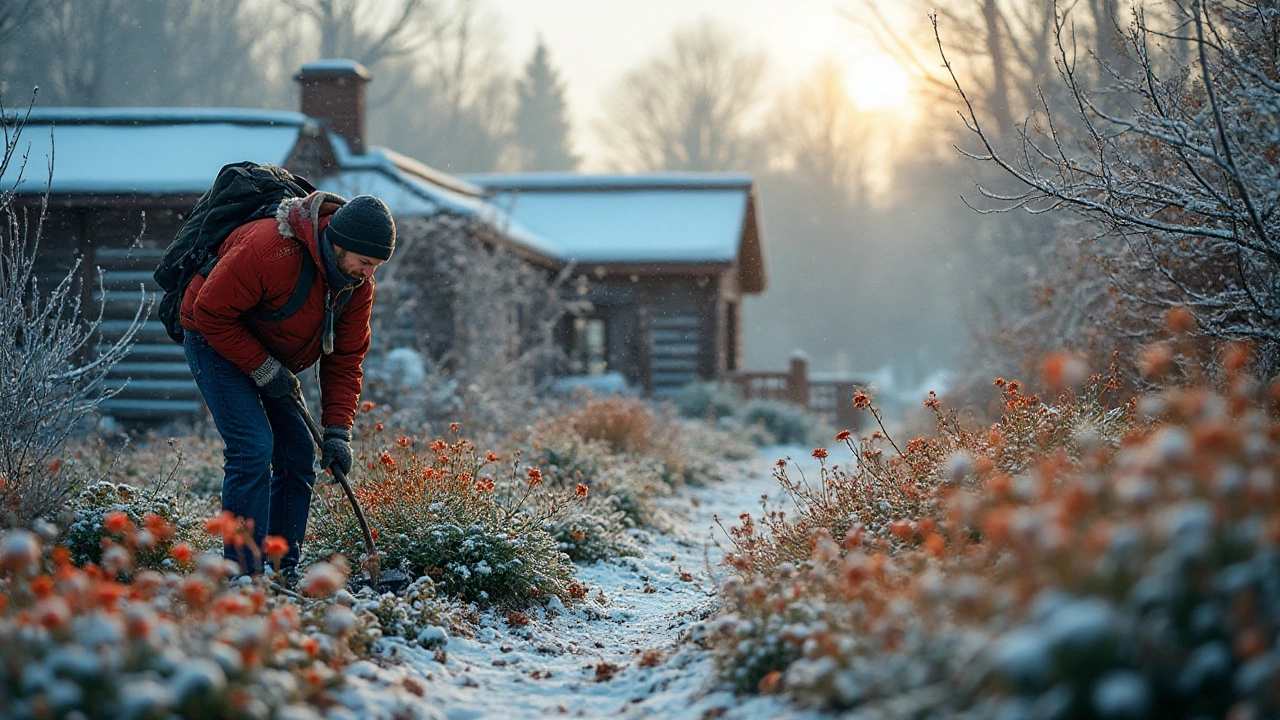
x=275, y=547
x=116, y=523
x=535, y=477
x=484, y=485
x=181, y=552
x=933, y=401
x=843, y=435
x=378, y=427
x=158, y=526
x=581, y=490
x=579, y=536
x=387, y=460
x=1180, y=320
x=366, y=406
x=223, y=524
x=861, y=400
x=453, y=427
x=492, y=457
x=438, y=445
x=820, y=453
x=403, y=441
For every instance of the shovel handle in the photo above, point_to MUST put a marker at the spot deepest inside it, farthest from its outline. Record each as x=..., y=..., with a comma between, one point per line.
x=369, y=545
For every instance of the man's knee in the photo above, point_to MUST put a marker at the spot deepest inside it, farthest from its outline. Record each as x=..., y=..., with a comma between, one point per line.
x=252, y=454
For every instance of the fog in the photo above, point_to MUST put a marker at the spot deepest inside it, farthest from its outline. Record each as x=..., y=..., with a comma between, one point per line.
x=873, y=259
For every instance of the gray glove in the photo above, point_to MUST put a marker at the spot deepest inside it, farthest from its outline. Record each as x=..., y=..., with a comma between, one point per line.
x=335, y=449
x=275, y=381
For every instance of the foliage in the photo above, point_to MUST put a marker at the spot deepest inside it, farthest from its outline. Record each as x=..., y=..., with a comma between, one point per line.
x=76, y=643
x=445, y=512
x=542, y=129
x=785, y=423
x=708, y=401
x=1071, y=560
x=149, y=522
x=52, y=359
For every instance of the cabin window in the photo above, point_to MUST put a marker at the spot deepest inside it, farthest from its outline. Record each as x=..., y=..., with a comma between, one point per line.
x=589, y=356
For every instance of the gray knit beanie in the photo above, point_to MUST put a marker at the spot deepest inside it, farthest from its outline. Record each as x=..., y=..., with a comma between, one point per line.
x=364, y=226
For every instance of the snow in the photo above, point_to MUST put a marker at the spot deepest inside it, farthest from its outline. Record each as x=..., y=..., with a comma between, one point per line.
x=145, y=158
x=585, y=661
x=663, y=218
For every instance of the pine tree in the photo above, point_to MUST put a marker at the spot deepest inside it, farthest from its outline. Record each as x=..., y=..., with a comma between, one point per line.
x=542, y=126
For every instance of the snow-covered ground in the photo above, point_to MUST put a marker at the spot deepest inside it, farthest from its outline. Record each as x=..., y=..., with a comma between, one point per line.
x=616, y=655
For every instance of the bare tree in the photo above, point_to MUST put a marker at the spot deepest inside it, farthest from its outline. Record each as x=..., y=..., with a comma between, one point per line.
x=821, y=138
x=47, y=387
x=1181, y=183
x=688, y=108
x=370, y=31
x=148, y=53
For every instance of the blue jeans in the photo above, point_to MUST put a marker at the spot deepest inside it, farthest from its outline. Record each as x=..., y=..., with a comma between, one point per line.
x=269, y=458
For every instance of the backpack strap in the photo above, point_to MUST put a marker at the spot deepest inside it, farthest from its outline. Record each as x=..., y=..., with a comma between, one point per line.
x=306, y=278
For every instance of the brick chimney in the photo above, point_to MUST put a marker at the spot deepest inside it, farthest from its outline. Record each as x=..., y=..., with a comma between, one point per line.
x=334, y=91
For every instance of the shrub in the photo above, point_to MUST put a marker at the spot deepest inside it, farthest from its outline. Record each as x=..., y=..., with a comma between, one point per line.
x=77, y=643
x=149, y=523
x=785, y=423
x=446, y=514
x=708, y=401
x=1073, y=557
x=52, y=363
x=594, y=531
x=624, y=424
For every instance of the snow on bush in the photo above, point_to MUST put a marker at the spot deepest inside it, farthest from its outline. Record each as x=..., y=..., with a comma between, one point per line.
x=444, y=511
x=147, y=522
x=75, y=642
x=1079, y=558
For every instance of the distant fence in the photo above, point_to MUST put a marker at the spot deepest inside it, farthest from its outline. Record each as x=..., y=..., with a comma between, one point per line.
x=828, y=398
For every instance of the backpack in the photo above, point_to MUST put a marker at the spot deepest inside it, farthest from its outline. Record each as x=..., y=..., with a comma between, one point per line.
x=242, y=192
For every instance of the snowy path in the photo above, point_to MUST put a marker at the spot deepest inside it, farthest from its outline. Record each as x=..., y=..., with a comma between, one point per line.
x=622, y=660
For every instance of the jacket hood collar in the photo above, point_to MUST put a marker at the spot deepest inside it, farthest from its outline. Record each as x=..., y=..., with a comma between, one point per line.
x=300, y=218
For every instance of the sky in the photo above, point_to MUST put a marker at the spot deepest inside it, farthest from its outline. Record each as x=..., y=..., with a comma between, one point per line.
x=595, y=42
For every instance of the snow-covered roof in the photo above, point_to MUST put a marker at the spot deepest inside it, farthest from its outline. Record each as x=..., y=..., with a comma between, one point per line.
x=145, y=151
x=652, y=218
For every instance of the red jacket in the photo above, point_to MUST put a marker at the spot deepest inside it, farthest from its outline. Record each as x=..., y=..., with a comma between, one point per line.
x=258, y=267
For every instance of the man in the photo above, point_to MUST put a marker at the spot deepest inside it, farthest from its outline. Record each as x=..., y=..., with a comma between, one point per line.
x=244, y=364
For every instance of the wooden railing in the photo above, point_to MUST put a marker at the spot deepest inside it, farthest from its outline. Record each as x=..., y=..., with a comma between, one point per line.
x=828, y=398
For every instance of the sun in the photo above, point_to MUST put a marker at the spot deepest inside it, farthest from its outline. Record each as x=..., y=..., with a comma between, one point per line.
x=878, y=83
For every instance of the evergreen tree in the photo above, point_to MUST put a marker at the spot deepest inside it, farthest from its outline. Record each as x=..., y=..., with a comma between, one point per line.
x=542, y=126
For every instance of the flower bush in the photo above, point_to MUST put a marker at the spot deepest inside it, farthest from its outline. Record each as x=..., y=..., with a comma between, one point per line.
x=444, y=511
x=75, y=642
x=1083, y=557
x=146, y=521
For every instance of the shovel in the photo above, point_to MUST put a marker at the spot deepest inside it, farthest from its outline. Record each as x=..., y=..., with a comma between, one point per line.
x=372, y=561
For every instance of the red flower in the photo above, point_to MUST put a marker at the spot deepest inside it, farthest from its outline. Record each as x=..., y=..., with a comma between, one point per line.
x=535, y=477
x=581, y=490
x=275, y=547
x=843, y=435
x=181, y=552
x=387, y=460
x=820, y=453
x=116, y=523
x=403, y=441
x=484, y=485
x=366, y=406
x=492, y=457
x=378, y=427
x=861, y=400
x=453, y=427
